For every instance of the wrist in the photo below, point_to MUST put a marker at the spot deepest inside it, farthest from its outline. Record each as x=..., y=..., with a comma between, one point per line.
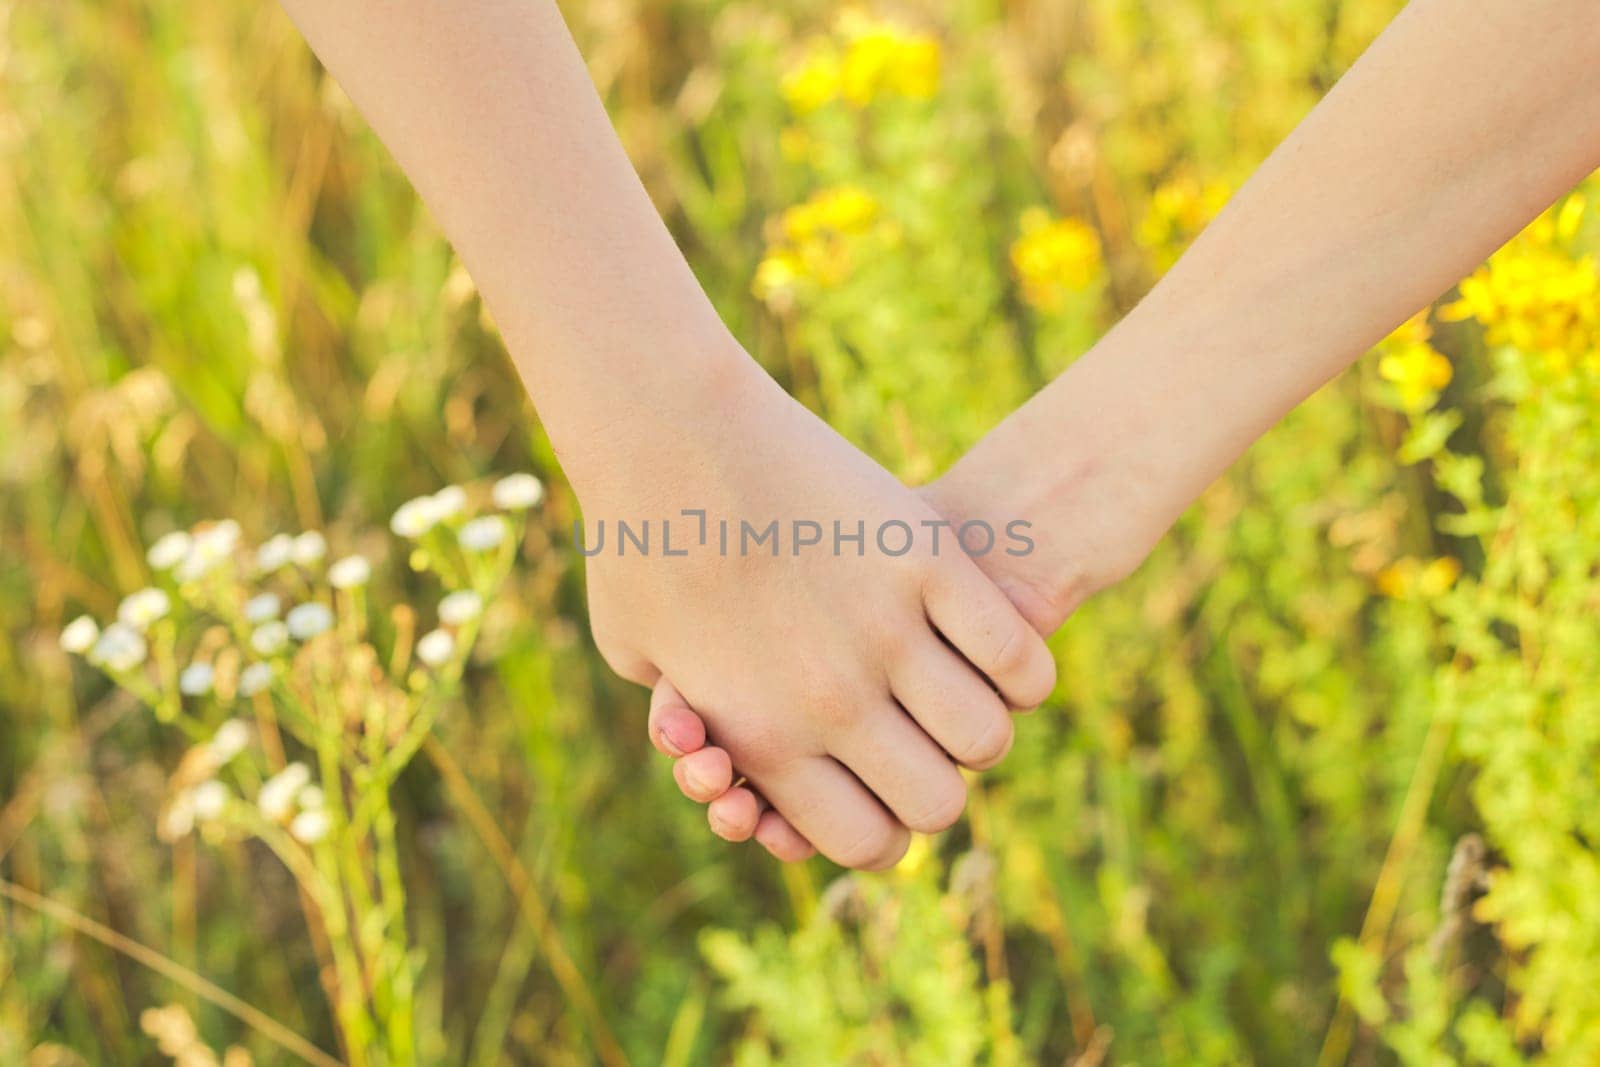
x=621, y=430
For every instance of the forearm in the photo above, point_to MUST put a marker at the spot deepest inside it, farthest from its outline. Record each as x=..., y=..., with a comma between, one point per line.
x=490, y=112
x=1460, y=124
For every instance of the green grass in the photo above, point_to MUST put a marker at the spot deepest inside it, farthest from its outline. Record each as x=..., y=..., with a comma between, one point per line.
x=221, y=300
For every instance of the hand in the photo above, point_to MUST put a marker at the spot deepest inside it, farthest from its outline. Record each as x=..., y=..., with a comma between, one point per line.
x=801, y=664
x=1090, y=530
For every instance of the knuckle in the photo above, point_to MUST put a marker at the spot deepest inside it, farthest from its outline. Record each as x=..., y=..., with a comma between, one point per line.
x=991, y=746
x=1040, y=684
x=758, y=747
x=758, y=754
x=834, y=703
x=866, y=852
x=943, y=809
x=1012, y=646
x=891, y=853
x=895, y=643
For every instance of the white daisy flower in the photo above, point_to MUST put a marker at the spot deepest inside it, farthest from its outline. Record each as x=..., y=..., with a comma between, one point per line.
x=196, y=679
x=119, y=648
x=208, y=800
x=254, y=678
x=483, y=533
x=179, y=817
x=449, y=502
x=232, y=736
x=139, y=610
x=220, y=538
x=278, y=792
x=350, y=572
x=169, y=550
x=436, y=647
x=306, y=621
x=270, y=638
x=274, y=553
x=309, y=827
x=415, y=517
x=309, y=548
x=262, y=607
x=517, y=492
x=208, y=548
x=460, y=607
x=79, y=635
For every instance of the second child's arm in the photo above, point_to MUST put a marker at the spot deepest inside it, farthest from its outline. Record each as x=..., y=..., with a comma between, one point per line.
x=1462, y=122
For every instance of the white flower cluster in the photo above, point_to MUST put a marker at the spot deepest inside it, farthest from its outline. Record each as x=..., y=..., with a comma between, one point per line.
x=303, y=622
x=290, y=795
x=139, y=610
x=303, y=550
x=118, y=649
x=191, y=557
x=437, y=647
x=206, y=801
x=518, y=492
x=351, y=572
x=515, y=492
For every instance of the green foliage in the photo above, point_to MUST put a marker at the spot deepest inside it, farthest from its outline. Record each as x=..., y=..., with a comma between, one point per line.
x=1319, y=780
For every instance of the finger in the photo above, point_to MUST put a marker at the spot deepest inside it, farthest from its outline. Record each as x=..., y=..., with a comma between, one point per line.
x=781, y=839
x=835, y=812
x=981, y=624
x=903, y=766
x=954, y=705
x=675, y=728
x=705, y=775
x=734, y=814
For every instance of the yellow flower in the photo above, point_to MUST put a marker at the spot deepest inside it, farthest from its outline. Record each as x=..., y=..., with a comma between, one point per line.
x=815, y=243
x=1053, y=257
x=814, y=83
x=1416, y=370
x=776, y=277
x=1179, y=210
x=1534, y=295
x=1410, y=578
x=839, y=209
x=915, y=73
x=867, y=58
x=917, y=856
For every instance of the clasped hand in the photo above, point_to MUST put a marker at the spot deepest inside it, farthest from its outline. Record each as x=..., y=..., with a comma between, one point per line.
x=844, y=688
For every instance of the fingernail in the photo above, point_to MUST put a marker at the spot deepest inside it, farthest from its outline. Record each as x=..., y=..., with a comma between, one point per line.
x=694, y=781
x=674, y=746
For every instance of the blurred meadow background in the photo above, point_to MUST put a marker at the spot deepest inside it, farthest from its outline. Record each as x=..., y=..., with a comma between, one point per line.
x=1320, y=784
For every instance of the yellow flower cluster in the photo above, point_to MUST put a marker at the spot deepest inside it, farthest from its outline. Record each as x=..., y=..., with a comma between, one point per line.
x=865, y=58
x=1179, y=210
x=1536, y=296
x=814, y=242
x=1418, y=372
x=1054, y=257
x=1410, y=578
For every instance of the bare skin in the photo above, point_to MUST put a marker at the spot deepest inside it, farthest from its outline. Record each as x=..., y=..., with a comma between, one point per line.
x=847, y=688
x=1453, y=131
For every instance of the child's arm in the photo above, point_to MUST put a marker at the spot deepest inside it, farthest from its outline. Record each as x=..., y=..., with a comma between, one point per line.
x=488, y=109
x=1458, y=126
x=801, y=665
x=1460, y=123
